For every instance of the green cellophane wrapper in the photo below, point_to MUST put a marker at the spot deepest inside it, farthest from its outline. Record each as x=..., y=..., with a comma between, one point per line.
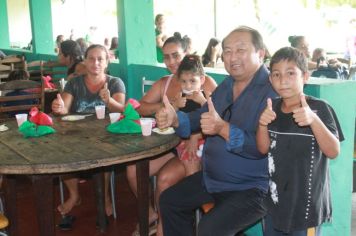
x=29, y=129
x=128, y=124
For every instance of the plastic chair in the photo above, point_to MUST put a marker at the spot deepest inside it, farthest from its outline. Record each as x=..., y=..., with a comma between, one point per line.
x=146, y=83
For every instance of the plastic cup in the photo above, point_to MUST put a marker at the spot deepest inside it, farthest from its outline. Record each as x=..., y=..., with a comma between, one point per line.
x=146, y=126
x=114, y=117
x=20, y=118
x=100, y=112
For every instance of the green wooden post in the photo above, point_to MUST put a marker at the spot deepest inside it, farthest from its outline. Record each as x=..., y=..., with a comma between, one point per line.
x=4, y=29
x=137, y=44
x=341, y=96
x=41, y=25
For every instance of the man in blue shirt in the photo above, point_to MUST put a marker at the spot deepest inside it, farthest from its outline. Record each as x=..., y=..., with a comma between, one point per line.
x=234, y=174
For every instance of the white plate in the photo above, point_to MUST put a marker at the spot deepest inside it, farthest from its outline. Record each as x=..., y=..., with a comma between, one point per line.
x=73, y=117
x=170, y=130
x=3, y=128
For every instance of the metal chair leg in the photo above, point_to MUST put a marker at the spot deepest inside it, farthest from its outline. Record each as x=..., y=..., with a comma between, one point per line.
x=112, y=191
x=197, y=219
x=61, y=190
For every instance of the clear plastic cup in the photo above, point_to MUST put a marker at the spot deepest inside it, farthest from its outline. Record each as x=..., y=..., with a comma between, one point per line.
x=146, y=126
x=100, y=112
x=20, y=118
x=114, y=116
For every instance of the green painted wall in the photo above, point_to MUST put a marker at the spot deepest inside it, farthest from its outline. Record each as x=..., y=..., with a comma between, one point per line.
x=41, y=25
x=341, y=95
x=136, y=40
x=4, y=25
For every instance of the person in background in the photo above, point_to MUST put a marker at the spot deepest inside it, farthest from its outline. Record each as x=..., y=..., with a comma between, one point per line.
x=114, y=48
x=212, y=53
x=106, y=43
x=301, y=43
x=81, y=95
x=299, y=133
x=234, y=174
x=59, y=40
x=168, y=168
x=318, y=53
x=70, y=55
x=160, y=36
x=19, y=75
x=82, y=44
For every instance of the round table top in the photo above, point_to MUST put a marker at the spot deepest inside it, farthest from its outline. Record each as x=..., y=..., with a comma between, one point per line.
x=76, y=145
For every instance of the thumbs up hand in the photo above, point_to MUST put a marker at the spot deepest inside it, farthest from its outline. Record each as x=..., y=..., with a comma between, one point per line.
x=58, y=105
x=166, y=116
x=268, y=115
x=210, y=122
x=104, y=94
x=303, y=115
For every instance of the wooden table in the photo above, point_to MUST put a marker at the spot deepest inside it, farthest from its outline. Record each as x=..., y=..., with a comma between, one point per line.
x=76, y=146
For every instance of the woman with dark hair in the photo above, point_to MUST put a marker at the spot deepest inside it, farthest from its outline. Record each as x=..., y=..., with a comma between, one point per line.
x=113, y=50
x=70, y=55
x=168, y=168
x=81, y=95
x=212, y=53
x=160, y=35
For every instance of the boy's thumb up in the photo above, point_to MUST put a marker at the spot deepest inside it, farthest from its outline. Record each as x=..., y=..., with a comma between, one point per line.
x=303, y=101
x=211, y=107
x=59, y=97
x=269, y=104
x=106, y=86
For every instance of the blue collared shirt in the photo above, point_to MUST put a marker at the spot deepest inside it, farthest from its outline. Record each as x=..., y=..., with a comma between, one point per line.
x=235, y=164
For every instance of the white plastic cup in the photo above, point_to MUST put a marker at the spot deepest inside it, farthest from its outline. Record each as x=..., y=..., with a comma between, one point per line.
x=100, y=112
x=146, y=126
x=114, y=116
x=20, y=118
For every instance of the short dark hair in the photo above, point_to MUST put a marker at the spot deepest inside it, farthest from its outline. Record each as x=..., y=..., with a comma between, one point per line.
x=257, y=39
x=18, y=75
x=191, y=63
x=290, y=54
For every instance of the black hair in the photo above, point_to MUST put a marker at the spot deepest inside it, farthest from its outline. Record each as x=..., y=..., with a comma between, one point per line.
x=257, y=40
x=103, y=48
x=191, y=63
x=179, y=40
x=82, y=44
x=295, y=40
x=207, y=54
x=290, y=54
x=18, y=75
x=114, y=43
x=72, y=49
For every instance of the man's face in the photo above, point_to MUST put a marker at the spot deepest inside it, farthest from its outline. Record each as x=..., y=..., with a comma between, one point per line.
x=241, y=59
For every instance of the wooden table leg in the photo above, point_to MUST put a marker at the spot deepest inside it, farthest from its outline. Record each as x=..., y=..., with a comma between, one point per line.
x=10, y=203
x=98, y=178
x=43, y=190
x=142, y=175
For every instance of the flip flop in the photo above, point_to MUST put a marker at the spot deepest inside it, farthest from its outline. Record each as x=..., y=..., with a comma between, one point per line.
x=66, y=222
x=152, y=230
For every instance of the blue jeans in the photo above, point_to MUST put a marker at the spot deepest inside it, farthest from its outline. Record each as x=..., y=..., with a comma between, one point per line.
x=233, y=211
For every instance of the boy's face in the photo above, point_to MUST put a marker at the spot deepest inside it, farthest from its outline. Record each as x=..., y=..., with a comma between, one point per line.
x=190, y=82
x=287, y=79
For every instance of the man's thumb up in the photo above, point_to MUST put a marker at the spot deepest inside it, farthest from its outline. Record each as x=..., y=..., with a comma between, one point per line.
x=211, y=107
